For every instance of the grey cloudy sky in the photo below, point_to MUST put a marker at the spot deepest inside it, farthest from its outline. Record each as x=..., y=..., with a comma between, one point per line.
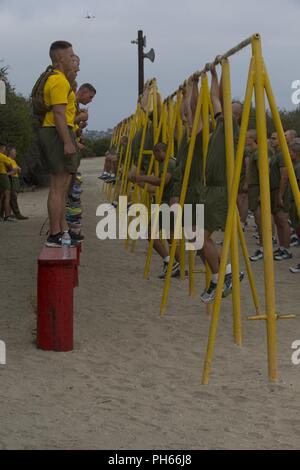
x=184, y=33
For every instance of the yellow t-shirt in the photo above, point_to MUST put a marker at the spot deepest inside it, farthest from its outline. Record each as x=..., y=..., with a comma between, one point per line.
x=75, y=128
x=4, y=161
x=57, y=90
x=71, y=108
x=13, y=164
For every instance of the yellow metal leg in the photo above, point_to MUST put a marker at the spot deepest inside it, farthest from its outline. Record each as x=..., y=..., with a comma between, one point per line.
x=263, y=164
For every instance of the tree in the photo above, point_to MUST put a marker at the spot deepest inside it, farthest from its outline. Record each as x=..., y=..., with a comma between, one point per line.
x=15, y=120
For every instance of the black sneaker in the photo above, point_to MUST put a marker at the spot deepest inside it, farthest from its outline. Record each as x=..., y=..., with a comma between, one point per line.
x=227, y=288
x=9, y=218
x=54, y=241
x=295, y=270
x=294, y=240
x=175, y=270
x=208, y=296
x=284, y=254
x=76, y=236
x=258, y=255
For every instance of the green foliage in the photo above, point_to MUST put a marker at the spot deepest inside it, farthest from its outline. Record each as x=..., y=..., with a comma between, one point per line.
x=15, y=120
x=96, y=147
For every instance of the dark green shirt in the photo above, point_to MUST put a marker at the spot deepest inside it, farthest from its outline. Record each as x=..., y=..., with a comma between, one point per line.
x=135, y=145
x=253, y=169
x=216, y=168
x=297, y=173
x=148, y=145
x=196, y=172
x=275, y=164
x=168, y=189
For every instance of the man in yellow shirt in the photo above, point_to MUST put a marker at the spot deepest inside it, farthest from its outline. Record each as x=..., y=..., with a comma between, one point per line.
x=14, y=182
x=57, y=140
x=5, y=167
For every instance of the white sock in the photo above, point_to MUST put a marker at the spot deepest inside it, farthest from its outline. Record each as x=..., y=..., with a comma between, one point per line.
x=166, y=259
x=228, y=269
x=261, y=248
x=214, y=278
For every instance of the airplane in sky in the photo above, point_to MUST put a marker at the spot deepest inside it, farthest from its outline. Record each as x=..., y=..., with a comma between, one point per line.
x=89, y=17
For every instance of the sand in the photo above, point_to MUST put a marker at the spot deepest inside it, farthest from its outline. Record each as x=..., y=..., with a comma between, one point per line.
x=133, y=380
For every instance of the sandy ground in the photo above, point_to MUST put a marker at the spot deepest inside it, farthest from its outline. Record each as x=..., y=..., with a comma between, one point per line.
x=134, y=379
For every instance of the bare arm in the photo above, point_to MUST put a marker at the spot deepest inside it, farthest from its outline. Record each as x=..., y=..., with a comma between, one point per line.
x=153, y=180
x=59, y=111
x=214, y=92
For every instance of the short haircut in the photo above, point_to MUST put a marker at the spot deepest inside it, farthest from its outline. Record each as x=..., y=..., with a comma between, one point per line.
x=2, y=144
x=252, y=134
x=160, y=147
x=293, y=132
x=88, y=86
x=56, y=46
x=295, y=145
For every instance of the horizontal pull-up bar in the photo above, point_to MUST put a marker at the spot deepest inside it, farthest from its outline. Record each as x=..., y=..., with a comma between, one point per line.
x=218, y=60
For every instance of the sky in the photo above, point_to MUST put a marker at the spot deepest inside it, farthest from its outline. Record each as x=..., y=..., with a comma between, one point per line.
x=184, y=34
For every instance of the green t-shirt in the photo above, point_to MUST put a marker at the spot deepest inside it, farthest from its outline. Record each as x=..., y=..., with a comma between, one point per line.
x=275, y=164
x=216, y=168
x=253, y=169
x=168, y=189
x=148, y=145
x=297, y=173
x=196, y=172
x=135, y=145
x=180, y=159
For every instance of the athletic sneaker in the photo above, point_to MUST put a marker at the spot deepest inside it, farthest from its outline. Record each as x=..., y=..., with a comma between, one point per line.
x=105, y=176
x=76, y=236
x=208, y=296
x=55, y=241
x=282, y=254
x=227, y=288
x=257, y=255
x=296, y=269
x=175, y=270
x=294, y=240
x=9, y=218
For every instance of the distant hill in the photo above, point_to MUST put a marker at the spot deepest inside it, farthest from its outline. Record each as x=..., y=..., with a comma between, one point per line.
x=95, y=135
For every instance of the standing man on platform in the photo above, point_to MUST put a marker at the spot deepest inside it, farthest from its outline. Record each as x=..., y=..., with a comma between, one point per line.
x=57, y=139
